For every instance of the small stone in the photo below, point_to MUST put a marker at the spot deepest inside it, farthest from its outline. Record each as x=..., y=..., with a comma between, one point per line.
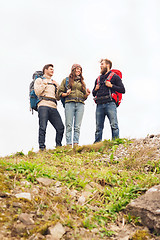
x=56, y=231
x=23, y=195
x=95, y=230
x=81, y=200
x=20, y=228
x=73, y=193
x=86, y=194
x=58, y=184
x=3, y=195
x=153, y=189
x=58, y=190
x=35, y=191
x=26, y=219
x=45, y=181
x=25, y=183
x=17, y=204
x=151, y=136
x=37, y=236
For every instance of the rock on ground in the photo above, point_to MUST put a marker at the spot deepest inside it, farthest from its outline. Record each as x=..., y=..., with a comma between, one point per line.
x=147, y=207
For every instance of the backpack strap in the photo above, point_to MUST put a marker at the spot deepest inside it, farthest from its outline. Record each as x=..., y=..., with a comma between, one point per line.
x=110, y=76
x=48, y=99
x=53, y=85
x=67, y=82
x=98, y=80
x=109, y=79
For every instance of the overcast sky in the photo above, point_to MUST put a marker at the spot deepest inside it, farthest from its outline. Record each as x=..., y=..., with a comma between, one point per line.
x=63, y=32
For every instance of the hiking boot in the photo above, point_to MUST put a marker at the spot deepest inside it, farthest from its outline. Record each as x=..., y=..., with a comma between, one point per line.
x=42, y=149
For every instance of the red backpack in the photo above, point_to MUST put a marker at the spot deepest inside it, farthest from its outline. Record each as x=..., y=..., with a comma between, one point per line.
x=116, y=96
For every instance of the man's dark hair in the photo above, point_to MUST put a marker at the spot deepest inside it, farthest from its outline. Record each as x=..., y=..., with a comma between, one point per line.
x=46, y=67
x=107, y=61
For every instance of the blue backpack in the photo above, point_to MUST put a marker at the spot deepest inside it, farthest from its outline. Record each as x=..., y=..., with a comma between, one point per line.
x=63, y=98
x=34, y=100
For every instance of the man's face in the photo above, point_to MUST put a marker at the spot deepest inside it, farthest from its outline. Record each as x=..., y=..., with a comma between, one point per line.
x=49, y=71
x=104, y=68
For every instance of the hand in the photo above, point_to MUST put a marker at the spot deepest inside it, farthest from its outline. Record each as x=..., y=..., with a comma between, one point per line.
x=67, y=93
x=88, y=91
x=97, y=87
x=109, y=84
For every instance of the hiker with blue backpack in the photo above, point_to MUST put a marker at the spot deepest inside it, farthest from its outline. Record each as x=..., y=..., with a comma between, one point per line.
x=73, y=93
x=107, y=94
x=46, y=90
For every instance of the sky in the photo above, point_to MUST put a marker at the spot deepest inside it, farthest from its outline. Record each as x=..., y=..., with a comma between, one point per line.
x=64, y=32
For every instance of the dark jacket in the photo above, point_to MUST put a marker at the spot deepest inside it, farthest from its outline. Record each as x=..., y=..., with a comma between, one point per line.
x=103, y=94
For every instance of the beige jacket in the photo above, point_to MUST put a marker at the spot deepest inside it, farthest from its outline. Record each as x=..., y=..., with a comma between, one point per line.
x=42, y=88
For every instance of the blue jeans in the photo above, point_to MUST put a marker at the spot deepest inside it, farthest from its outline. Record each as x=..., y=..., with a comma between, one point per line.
x=110, y=110
x=46, y=114
x=73, y=112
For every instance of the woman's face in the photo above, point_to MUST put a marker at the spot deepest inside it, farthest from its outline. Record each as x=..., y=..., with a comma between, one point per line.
x=78, y=71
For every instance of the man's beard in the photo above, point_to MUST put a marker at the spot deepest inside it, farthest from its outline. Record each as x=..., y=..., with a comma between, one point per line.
x=104, y=70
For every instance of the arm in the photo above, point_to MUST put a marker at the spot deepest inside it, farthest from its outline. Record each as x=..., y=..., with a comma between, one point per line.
x=87, y=93
x=62, y=89
x=56, y=91
x=39, y=86
x=116, y=84
x=95, y=89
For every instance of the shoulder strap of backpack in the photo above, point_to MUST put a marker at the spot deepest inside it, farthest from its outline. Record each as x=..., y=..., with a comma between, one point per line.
x=98, y=80
x=110, y=76
x=109, y=79
x=53, y=85
x=67, y=82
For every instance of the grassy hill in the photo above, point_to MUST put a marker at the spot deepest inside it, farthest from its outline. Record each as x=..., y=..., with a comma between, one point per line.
x=88, y=190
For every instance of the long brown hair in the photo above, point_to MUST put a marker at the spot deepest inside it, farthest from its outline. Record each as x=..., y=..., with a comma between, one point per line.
x=72, y=77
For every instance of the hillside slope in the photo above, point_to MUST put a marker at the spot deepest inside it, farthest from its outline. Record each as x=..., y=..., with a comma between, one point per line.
x=77, y=193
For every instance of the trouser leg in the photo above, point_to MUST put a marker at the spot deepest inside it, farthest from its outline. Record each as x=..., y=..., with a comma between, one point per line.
x=56, y=121
x=69, y=115
x=112, y=116
x=100, y=117
x=43, y=119
x=79, y=110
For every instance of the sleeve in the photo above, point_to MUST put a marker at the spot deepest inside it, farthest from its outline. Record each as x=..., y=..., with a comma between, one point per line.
x=93, y=91
x=117, y=84
x=39, y=86
x=85, y=93
x=84, y=89
x=56, y=91
x=61, y=88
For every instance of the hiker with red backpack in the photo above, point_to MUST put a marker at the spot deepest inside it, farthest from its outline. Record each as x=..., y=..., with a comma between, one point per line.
x=107, y=94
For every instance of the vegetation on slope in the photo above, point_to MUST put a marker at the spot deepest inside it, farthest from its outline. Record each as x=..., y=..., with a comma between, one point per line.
x=91, y=186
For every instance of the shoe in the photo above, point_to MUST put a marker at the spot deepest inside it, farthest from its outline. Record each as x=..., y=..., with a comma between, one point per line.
x=42, y=149
x=58, y=145
x=75, y=144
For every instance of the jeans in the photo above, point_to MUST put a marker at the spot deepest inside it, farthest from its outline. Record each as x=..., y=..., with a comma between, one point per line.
x=110, y=110
x=73, y=112
x=46, y=114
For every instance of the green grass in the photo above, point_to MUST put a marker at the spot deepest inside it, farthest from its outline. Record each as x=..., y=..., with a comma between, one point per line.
x=114, y=183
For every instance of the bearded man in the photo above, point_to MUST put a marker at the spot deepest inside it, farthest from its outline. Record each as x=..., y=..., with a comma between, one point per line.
x=106, y=105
